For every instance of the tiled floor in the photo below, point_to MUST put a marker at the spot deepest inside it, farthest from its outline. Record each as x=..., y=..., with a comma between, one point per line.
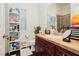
x=27, y=51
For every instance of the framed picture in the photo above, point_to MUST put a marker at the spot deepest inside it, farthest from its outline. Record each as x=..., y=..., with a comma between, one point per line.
x=51, y=21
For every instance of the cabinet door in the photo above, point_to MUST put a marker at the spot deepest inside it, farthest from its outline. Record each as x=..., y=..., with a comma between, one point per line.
x=40, y=47
x=63, y=52
x=50, y=48
x=37, y=45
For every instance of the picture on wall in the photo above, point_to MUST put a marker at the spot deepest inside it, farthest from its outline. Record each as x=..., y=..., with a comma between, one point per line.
x=75, y=26
x=75, y=21
x=51, y=21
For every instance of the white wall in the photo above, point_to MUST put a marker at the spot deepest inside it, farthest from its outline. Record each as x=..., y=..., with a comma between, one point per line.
x=45, y=10
x=2, y=29
x=43, y=15
x=62, y=8
x=66, y=9
x=32, y=16
x=74, y=8
x=58, y=9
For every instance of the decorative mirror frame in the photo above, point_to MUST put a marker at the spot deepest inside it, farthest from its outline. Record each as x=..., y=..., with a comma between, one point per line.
x=67, y=39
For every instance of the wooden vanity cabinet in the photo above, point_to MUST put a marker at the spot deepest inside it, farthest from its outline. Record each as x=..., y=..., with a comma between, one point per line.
x=46, y=48
x=43, y=47
x=39, y=47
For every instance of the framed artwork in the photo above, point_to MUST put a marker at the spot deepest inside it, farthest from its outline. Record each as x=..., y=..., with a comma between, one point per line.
x=51, y=21
x=75, y=26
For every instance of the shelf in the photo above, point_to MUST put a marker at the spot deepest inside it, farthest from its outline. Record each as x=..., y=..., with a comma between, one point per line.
x=14, y=31
x=14, y=50
x=13, y=14
x=12, y=22
x=18, y=49
x=17, y=40
x=15, y=23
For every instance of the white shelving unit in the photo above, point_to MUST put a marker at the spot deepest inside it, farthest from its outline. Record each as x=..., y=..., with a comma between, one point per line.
x=16, y=29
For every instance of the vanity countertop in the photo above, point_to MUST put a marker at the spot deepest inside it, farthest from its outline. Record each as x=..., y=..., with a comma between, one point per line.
x=72, y=46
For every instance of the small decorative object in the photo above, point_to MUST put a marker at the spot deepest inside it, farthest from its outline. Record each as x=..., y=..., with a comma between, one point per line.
x=51, y=20
x=37, y=29
x=13, y=45
x=17, y=27
x=67, y=35
x=10, y=10
x=17, y=10
x=47, y=31
x=17, y=46
x=17, y=36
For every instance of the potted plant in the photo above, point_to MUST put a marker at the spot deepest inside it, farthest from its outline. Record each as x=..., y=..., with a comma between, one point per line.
x=37, y=29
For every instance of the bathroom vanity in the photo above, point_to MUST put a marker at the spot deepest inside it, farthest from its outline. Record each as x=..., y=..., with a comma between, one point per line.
x=53, y=45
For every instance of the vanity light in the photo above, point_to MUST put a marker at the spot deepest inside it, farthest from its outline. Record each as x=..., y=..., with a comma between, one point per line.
x=67, y=35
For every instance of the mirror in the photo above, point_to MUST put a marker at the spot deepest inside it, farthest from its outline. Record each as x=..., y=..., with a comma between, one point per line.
x=63, y=16
x=51, y=15
x=58, y=15
x=67, y=35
